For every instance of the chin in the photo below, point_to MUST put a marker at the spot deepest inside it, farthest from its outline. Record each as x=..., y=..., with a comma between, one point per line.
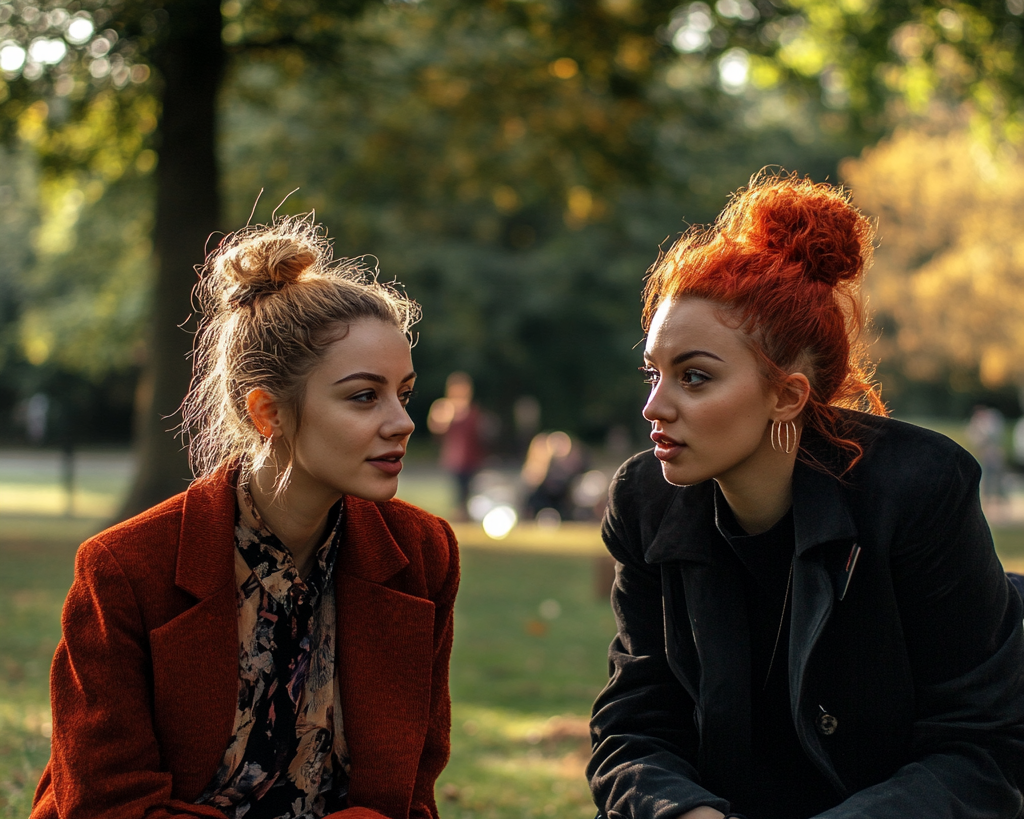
x=678, y=476
x=375, y=494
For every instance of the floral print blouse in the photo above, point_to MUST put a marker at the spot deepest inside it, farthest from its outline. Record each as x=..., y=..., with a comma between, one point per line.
x=287, y=757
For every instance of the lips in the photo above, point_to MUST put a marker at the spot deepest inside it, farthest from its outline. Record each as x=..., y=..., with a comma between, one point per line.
x=389, y=463
x=665, y=448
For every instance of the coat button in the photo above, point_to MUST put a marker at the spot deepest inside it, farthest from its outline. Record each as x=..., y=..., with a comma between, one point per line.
x=827, y=724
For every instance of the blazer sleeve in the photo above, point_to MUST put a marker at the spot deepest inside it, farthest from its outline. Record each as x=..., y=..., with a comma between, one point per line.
x=645, y=741
x=962, y=625
x=105, y=760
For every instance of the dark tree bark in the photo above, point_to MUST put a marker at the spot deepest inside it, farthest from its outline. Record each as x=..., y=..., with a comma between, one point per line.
x=190, y=62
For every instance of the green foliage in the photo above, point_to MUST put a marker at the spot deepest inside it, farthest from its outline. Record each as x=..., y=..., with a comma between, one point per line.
x=873, y=61
x=516, y=165
x=515, y=162
x=86, y=299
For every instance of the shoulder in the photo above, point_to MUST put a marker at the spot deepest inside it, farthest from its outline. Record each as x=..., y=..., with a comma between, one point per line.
x=178, y=535
x=639, y=488
x=414, y=526
x=906, y=457
x=638, y=499
x=641, y=477
x=149, y=538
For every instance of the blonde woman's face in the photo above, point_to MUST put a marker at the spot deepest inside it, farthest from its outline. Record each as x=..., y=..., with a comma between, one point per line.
x=709, y=409
x=355, y=427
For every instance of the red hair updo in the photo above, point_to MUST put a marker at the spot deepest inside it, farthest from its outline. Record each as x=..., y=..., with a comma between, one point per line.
x=785, y=260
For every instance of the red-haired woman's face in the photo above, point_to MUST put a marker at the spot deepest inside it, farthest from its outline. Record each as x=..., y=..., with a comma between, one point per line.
x=709, y=406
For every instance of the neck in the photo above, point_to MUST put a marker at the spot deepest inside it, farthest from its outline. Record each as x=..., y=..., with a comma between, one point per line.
x=759, y=497
x=298, y=518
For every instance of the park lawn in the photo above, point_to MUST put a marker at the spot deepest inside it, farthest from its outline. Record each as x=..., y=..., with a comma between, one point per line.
x=35, y=578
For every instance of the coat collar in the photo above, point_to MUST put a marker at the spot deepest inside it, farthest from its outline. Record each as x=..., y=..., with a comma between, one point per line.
x=208, y=517
x=207, y=521
x=821, y=513
x=688, y=532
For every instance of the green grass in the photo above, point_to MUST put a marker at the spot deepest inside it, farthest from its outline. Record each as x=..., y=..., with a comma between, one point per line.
x=522, y=684
x=36, y=575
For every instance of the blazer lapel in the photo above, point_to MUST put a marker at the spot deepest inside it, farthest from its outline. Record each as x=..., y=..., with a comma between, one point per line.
x=385, y=661
x=195, y=655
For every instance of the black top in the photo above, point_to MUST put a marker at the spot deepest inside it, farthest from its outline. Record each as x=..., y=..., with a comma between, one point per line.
x=776, y=755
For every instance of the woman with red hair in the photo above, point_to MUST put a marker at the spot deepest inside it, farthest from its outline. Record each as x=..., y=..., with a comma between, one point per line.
x=812, y=620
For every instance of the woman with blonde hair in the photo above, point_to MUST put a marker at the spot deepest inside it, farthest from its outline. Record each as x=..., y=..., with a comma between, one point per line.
x=274, y=641
x=812, y=620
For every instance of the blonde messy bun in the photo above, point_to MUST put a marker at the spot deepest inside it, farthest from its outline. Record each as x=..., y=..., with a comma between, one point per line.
x=273, y=299
x=260, y=260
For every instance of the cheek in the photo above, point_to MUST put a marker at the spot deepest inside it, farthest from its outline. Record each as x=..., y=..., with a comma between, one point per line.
x=331, y=431
x=733, y=419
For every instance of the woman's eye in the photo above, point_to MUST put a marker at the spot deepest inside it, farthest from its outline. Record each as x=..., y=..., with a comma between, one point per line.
x=651, y=375
x=406, y=396
x=365, y=397
x=694, y=377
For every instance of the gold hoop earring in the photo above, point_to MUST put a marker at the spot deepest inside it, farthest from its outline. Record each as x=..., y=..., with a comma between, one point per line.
x=776, y=436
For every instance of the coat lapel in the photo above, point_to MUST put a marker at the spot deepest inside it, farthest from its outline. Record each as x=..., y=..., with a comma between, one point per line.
x=717, y=618
x=384, y=655
x=824, y=531
x=385, y=661
x=195, y=655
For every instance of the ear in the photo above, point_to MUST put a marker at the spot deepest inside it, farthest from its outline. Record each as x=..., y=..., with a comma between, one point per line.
x=791, y=398
x=264, y=413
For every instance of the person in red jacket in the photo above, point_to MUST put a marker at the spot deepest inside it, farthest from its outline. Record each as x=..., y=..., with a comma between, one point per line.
x=272, y=643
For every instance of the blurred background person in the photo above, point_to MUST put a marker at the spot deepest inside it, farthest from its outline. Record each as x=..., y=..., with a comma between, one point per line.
x=986, y=431
x=36, y=413
x=1018, y=443
x=457, y=420
x=553, y=463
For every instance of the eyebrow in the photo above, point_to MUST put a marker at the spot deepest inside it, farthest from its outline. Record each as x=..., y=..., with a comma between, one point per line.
x=374, y=377
x=679, y=359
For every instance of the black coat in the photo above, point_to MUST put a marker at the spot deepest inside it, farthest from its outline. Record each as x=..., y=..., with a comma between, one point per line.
x=907, y=694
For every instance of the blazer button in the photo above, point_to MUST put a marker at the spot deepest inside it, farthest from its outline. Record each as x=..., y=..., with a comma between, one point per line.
x=826, y=724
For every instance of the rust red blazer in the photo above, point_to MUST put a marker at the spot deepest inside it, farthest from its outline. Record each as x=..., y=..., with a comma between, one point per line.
x=145, y=679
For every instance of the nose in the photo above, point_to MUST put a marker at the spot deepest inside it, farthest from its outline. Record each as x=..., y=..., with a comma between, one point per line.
x=399, y=424
x=658, y=407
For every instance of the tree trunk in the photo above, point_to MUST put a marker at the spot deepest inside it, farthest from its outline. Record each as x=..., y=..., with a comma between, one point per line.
x=191, y=65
